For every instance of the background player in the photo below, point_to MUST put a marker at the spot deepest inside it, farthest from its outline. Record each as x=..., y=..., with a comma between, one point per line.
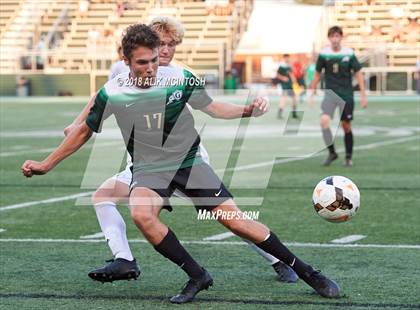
x=115, y=190
x=286, y=80
x=338, y=64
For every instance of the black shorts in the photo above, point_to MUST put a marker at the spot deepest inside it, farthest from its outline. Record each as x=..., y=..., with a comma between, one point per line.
x=199, y=183
x=345, y=107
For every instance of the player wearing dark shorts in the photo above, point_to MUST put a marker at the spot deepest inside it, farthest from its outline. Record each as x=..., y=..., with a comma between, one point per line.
x=158, y=130
x=339, y=64
x=284, y=77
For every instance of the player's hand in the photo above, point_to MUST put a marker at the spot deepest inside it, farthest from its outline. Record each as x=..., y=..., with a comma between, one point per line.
x=311, y=99
x=69, y=129
x=258, y=107
x=363, y=101
x=30, y=168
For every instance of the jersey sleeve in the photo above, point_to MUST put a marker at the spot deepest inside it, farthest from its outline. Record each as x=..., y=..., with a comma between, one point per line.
x=320, y=64
x=355, y=64
x=99, y=112
x=196, y=94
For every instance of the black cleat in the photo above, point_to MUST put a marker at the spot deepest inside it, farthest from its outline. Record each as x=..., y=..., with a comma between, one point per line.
x=322, y=285
x=331, y=157
x=117, y=269
x=285, y=273
x=295, y=115
x=192, y=287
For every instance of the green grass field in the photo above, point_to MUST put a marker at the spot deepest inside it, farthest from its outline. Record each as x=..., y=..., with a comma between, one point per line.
x=44, y=262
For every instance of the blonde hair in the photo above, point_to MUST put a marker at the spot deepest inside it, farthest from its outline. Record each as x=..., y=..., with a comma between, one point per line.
x=168, y=25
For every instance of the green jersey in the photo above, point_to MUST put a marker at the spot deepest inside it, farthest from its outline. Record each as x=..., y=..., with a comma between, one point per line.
x=156, y=123
x=285, y=70
x=338, y=67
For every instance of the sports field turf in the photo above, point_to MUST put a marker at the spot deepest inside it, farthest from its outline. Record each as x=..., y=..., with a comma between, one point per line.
x=44, y=262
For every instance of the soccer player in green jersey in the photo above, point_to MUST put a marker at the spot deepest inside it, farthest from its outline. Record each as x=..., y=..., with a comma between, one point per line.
x=115, y=190
x=286, y=79
x=339, y=64
x=158, y=130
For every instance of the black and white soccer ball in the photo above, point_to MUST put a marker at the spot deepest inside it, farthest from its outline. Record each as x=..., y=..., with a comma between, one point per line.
x=336, y=199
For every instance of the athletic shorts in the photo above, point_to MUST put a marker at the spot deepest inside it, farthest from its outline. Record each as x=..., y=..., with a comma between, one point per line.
x=199, y=183
x=329, y=104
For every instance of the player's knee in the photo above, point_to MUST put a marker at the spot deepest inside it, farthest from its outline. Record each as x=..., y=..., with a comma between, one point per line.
x=142, y=217
x=324, y=121
x=100, y=196
x=346, y=126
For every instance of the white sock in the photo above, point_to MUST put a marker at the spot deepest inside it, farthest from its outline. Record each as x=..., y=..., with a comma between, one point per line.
x=113, y=226
x=270, y=258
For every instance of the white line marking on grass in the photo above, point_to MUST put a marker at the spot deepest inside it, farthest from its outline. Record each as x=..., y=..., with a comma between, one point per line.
x=292, y=244
x=219, y=236
x=38, y=202
x=348, y=239
x=93, y=236
x=287, y=160
x=2, y=230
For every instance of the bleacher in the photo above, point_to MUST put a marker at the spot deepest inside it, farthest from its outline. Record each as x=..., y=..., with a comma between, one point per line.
x=358, y=18
x=209, y=40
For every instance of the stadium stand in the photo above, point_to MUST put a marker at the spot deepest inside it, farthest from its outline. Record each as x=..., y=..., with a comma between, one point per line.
x=381, y=27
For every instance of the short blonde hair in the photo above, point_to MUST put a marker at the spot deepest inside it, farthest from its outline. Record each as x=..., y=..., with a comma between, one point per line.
x=168, y=25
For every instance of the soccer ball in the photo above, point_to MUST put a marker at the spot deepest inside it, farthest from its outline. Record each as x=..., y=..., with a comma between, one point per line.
x=336, y=199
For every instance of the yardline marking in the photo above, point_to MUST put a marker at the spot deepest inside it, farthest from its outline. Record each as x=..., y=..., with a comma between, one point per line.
x=245, y=167
x=203, y=242
x=93, y=236
x=219, y=237
x=2, y=230
x=46, y=201
x=348, y=239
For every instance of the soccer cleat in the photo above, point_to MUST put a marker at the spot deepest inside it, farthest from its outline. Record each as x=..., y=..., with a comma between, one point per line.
x=295, y=115
x=348, y=163
x=192, y=287
x=117, y=269
x=331, y=157
x=285, y=273
x=322, y=285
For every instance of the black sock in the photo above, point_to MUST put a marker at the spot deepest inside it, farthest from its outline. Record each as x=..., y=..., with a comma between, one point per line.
x=175, y=252
x=274, y=247
x=328, y=140
x=348, y=142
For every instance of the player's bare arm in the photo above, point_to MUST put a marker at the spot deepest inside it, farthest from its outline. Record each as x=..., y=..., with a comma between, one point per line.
x=71, y=143
x=361, y=81
x=81, y=118
x=258, y=107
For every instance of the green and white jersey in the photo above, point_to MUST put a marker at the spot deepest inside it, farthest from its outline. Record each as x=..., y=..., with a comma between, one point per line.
x=338, y=67
x=285, y=69
x=156, y=124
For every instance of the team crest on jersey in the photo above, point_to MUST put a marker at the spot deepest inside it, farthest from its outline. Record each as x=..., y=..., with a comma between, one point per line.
x=176, y=95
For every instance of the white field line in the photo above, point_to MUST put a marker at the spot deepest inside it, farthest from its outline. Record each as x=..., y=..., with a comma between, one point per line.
x=246, y=167
x=1, y=230
x=94, y=236
x=291, y=244
x=288, y=160
x=219, y=236
x=38, y=202
x=348, y=239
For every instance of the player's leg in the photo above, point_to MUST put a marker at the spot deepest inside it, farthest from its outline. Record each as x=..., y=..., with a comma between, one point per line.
x=143, y=205
x=105, y=199
x=294, y=103
x=328, y=107
x=346, y=118
x=284, y=272
x=282, y=104
x=268, y=241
